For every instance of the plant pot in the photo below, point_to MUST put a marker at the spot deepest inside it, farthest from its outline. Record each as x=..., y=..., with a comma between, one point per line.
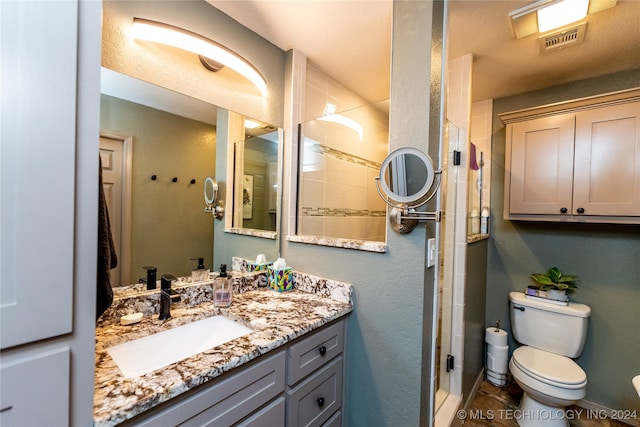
x=556, y=294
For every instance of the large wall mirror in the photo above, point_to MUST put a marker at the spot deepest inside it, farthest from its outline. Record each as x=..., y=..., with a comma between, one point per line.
x=340, y=156
x=256, y=180
x=157, y=149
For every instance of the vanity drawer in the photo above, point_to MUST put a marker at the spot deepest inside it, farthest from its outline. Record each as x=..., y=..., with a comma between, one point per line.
x=226, y=401
x=311, y=353
x=334, y=421
x=316, y=398
x=271, y=415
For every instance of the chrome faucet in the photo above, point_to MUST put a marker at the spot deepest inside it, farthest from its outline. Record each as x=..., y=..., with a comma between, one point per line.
x=167, y=296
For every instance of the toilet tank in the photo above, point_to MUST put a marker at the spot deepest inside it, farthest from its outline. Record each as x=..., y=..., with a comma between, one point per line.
x=559, y=329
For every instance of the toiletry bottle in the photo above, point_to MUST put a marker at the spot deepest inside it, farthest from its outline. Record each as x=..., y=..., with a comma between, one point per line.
x=199, y=273
x=222, y=288
x=484, y=221
x=475, y=221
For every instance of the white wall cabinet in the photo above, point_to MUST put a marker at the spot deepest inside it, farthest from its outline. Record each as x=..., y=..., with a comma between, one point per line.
x=37, y=169
x=578, y=162
x=49, y=122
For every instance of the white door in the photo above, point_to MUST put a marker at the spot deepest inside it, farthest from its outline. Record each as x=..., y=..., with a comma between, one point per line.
x=116, y=172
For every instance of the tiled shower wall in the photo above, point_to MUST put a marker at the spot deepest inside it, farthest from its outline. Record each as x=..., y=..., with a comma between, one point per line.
x=337, y=191
x=481, y=119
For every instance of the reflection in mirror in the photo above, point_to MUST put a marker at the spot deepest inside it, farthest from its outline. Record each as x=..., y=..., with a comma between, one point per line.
x=156, y=221
x=210, y=191
x=406, y=175
x=255, y=178
x=340, y=156
x=174, y=140
x=210, y=197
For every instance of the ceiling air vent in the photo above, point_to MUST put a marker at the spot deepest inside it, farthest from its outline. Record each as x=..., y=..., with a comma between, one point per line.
x=562, y=39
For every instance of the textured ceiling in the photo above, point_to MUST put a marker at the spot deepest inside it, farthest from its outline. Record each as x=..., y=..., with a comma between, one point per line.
x=506, y=66
x=350, y=41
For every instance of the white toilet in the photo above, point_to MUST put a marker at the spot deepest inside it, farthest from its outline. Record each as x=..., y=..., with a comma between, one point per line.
x=550, y=335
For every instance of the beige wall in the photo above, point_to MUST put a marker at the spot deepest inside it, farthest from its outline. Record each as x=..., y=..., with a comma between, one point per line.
x=169, y=225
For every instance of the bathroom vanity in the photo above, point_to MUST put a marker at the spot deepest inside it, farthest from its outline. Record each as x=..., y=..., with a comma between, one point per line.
x=287, y=371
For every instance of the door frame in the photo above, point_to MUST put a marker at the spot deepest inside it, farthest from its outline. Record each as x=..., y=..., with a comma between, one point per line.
x=127, y=167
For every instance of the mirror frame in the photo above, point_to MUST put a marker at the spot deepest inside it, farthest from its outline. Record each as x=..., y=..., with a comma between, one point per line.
x=392, y=195
x=236, y=133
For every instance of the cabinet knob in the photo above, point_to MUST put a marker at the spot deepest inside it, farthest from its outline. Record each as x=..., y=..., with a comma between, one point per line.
x=563, y=210
x=580, y=210
x=322, y=350
x=320, y=401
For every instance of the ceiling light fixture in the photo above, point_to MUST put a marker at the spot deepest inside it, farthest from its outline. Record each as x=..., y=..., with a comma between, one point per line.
x=546, y=15
x=158, y=32
x=251, y=124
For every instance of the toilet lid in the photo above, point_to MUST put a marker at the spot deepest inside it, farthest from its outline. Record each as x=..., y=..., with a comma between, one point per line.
x=552, y=369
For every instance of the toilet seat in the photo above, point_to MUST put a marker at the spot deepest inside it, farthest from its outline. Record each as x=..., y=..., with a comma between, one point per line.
x=549, y=368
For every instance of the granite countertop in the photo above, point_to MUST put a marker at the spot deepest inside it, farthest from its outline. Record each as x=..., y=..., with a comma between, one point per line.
x=275, y=317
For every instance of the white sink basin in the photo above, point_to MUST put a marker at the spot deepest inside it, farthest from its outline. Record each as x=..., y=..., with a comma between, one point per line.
x=141, y=356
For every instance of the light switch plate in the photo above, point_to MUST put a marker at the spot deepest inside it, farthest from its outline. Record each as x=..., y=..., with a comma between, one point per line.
x=431, y=252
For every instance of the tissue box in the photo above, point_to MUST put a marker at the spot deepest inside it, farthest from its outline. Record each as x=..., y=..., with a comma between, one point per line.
x=280, y=279
x=259, y=267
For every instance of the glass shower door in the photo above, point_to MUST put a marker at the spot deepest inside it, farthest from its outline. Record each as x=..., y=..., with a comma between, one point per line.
x=446, y=263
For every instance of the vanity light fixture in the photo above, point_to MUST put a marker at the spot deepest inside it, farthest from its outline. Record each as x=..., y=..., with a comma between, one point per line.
x=339, y=119
x=546, y=15
x=158, y=32
x=251, y=124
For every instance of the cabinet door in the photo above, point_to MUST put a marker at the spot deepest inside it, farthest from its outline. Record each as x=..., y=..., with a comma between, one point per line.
x=35, y=389
x=607, y=161
x=540, y=170
x=37, y=169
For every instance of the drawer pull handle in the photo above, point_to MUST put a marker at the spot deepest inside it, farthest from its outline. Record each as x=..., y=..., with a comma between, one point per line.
x=322, y=350
x=320, y=401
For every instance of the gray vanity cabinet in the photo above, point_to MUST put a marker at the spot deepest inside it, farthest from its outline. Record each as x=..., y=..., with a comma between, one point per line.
x=227, y=401
x=298, y=385
x=315, y=371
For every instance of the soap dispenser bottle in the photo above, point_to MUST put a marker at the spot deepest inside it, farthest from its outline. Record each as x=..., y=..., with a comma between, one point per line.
x=222, y=288
x=199, y=273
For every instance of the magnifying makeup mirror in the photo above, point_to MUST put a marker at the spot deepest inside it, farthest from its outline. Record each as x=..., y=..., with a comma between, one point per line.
x=406, y=182
x=210, y=195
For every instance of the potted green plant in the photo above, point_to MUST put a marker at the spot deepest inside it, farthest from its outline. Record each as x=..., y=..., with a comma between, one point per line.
x=555, y=283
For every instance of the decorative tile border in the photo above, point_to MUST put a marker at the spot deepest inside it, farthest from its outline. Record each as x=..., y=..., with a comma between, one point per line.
x=328, y=151
x=342, y=212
